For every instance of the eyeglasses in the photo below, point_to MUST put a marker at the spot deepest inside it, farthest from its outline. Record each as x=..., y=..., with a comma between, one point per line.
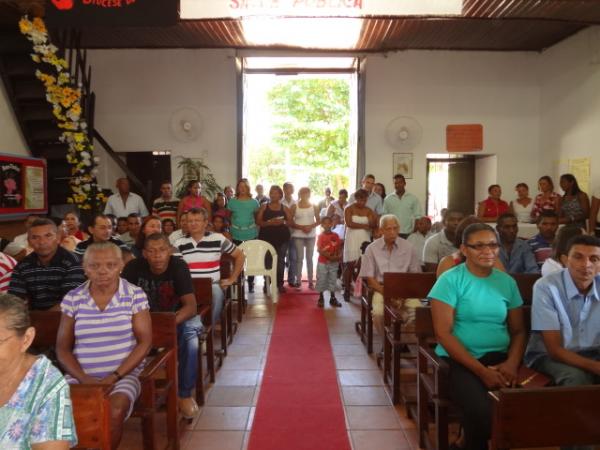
x=481, y=246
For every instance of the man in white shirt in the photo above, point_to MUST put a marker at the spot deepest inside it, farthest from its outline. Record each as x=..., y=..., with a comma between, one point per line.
x=422, y=233
x=441, y=244
x=124, y=202
x=21, y=239
x=374, y=201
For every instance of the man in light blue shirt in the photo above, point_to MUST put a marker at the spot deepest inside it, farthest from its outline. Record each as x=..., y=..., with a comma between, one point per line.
x=374, y=201
x=404, y=205
x=515, y=253
x=565, y=318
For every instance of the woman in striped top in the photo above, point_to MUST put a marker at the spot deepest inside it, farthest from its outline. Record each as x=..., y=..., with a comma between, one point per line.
x=105, y=332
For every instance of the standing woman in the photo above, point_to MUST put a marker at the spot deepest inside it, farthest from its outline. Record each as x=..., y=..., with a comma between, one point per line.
x=522, y=206
x=575, y=204
x=360, y=221
x=547, y=199
x=193, y=199
x=219, y=206
x=35, y=407
x=305, y=220
x=336, y=207
x=492, y=207
x=243, y=218
x=273, y=219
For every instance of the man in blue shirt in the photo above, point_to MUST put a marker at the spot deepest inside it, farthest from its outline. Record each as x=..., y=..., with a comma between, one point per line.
x=515, y=254
x=565, y=318
x=541, y=243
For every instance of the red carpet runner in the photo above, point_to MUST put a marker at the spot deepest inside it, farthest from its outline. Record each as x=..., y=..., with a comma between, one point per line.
x=299, y=405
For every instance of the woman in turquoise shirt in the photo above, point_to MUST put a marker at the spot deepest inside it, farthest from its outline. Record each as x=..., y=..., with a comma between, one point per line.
x=478, y=322
x=243, y=217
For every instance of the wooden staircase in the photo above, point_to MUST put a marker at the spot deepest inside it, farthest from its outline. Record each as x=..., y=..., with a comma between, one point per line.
x=33, y=113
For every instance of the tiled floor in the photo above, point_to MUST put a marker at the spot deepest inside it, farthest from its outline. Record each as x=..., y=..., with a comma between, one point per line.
x=225, y=421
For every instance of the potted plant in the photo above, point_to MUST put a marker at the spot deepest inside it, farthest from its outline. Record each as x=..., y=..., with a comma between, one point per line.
x=196, y=169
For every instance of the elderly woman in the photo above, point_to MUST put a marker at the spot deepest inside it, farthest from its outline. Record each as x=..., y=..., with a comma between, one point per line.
x=35, y=407
x=105, y=332
x=478, y=322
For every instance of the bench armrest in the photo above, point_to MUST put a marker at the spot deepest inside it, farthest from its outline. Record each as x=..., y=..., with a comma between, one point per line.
x=156, y=362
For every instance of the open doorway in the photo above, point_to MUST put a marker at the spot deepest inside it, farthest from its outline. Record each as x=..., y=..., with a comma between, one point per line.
x=300, y=122
x=450, y=184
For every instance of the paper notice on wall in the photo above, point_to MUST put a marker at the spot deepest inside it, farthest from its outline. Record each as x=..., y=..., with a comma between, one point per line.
x=578, y=167
x=34, y=187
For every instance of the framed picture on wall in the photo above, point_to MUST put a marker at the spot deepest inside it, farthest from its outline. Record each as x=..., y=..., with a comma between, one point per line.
x=403, y=164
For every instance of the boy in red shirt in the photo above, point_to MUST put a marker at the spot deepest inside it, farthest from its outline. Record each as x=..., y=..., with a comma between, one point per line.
x=329, y=246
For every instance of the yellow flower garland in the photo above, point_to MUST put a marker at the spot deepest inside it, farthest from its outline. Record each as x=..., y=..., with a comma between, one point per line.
x=65, y=98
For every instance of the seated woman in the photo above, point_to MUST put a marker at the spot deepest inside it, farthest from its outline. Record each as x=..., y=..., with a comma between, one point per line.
x=478, y=322
x=168, y=226
x=492, y=207
x=72, y=225
x=108, y=317
x=456, y=258
x=522, y=206
x=547, y=199
x=35, y=406
x=150, y=225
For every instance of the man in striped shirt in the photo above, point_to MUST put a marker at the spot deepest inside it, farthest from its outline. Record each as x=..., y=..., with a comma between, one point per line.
x=49, y=272
x=7, y=264
x=166, y=205
x=202, y=251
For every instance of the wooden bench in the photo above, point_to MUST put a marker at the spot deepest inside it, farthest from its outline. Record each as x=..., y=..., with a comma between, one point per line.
x=93, y=423
x=398, y=338
x=364, y=327
x=545, y=417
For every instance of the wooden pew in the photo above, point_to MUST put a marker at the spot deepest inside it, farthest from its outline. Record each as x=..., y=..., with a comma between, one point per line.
x=364, y=327
x=525, y=282
x=203, y=293
x=396, y=335
x=93, y=424
x=527, y=418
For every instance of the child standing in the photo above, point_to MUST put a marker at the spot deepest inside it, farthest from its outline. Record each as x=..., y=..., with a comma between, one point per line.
x=329, y=246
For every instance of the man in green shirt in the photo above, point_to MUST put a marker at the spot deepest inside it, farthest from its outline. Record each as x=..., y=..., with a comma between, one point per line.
x=404, y=205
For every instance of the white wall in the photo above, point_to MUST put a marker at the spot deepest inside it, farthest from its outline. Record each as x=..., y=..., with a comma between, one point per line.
x=137, y=91
x=498, y=90
x=570, y=103
x=486, y=173
x=11, y=139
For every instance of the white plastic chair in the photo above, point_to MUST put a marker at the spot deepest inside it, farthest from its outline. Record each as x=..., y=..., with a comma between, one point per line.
x=255, y=251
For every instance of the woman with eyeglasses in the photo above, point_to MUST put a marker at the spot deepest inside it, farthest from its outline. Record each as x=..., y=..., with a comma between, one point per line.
x=456, y=258
x=478, y=322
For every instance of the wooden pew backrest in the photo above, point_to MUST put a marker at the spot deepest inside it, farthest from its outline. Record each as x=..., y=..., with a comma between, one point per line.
x=546, y=417
x=408, y=285
x=525, y=282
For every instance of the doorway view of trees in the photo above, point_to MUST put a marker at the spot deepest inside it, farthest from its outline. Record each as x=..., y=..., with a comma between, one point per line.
x=300, y=129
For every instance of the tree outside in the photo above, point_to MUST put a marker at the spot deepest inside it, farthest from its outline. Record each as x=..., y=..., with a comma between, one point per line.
x=310, y=135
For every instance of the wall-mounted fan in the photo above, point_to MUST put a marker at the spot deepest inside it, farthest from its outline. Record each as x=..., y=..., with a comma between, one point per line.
x=403, y=133
x=185, y=124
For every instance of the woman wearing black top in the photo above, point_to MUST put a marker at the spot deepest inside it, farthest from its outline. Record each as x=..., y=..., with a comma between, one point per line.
x=273, y=219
